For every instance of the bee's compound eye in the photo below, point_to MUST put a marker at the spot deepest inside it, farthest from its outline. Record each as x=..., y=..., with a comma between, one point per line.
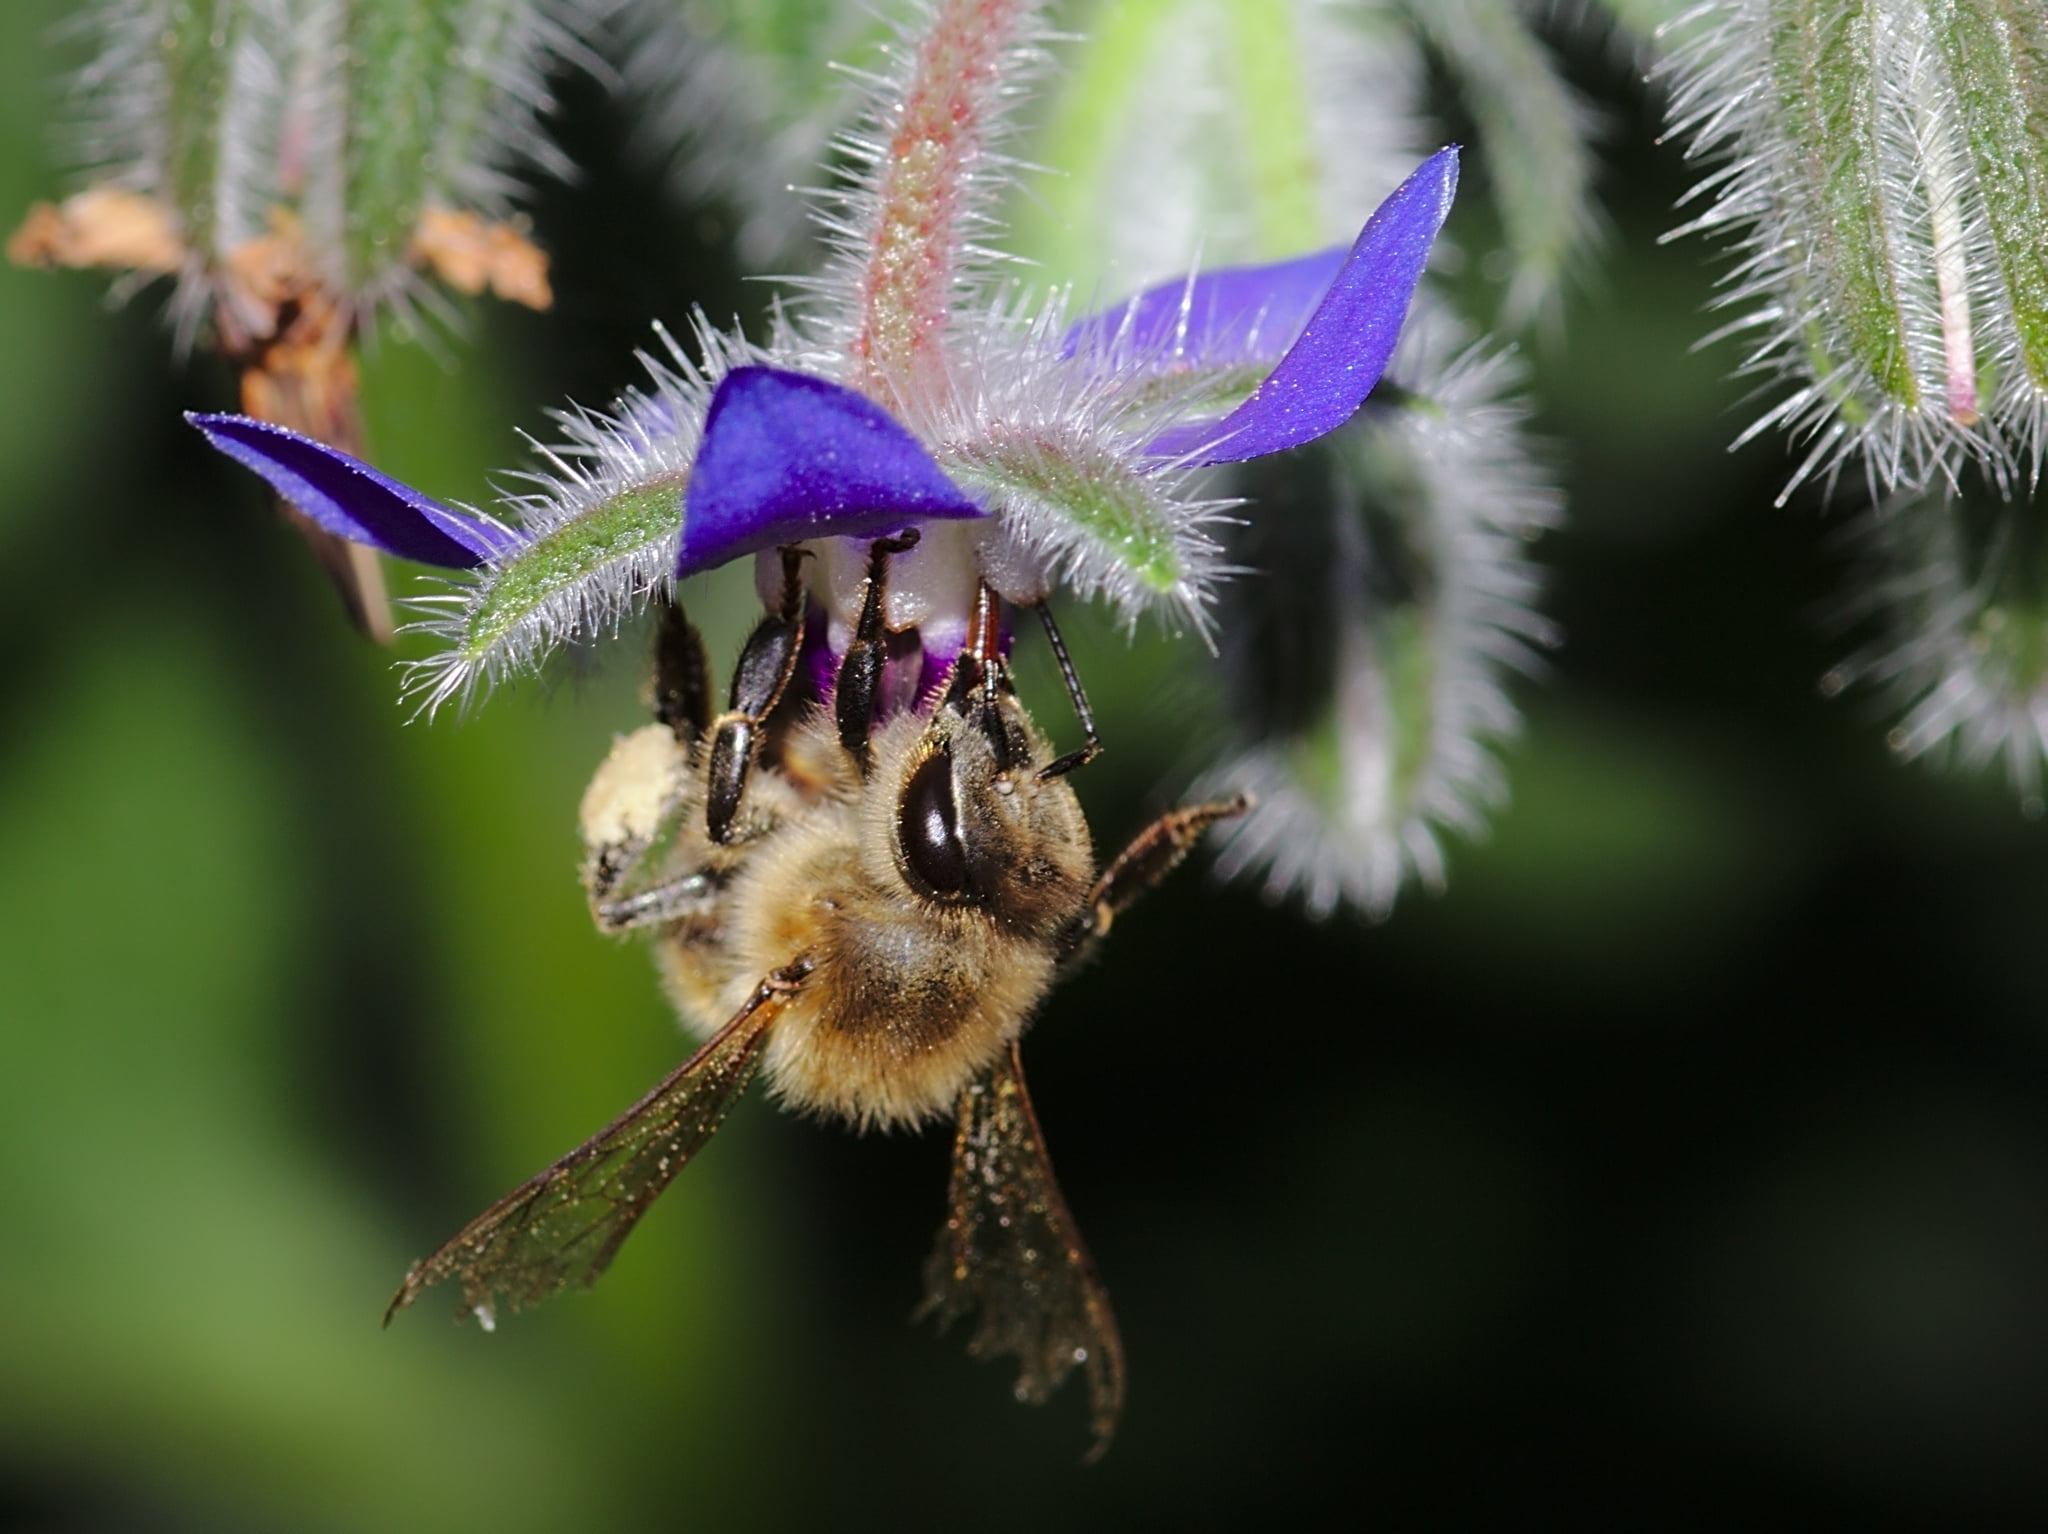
x=928, y=824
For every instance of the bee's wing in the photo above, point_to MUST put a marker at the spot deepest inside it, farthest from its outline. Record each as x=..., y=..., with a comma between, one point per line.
x=1009, y=1250
x=565, y=1225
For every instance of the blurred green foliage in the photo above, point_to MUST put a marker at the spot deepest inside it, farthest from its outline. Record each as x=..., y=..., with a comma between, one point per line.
x=1686, y=1162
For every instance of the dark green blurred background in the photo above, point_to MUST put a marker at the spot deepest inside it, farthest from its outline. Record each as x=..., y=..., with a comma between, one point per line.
x=1686, y=1163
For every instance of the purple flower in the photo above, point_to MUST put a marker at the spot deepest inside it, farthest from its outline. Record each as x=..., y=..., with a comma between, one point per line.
x=1044, y=455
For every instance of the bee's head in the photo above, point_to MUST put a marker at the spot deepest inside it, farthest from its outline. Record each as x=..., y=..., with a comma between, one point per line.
x=974, y=824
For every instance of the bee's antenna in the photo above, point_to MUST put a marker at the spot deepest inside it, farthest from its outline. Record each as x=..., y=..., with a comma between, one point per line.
x=985, y=629
x=981, y=679
x=981, y=654
x=1093, y=749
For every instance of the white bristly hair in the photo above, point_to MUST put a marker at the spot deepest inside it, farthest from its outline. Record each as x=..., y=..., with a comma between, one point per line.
x=270, y=126
x=510, y=613
x=1952, y=584
x=1354, y=834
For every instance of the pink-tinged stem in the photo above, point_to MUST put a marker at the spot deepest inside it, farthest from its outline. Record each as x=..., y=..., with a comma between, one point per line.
x=913, y=243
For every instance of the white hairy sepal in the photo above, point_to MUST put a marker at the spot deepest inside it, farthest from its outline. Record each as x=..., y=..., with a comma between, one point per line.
x=1430, y=595
x=1056, y=453
x=1075, y=508
x=604, y=522
x=1874, y=162
x=1955, y=587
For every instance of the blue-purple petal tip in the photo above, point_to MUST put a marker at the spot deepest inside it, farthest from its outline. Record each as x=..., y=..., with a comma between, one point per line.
x=348, y=498
x=1346, y=342
x=786, y=457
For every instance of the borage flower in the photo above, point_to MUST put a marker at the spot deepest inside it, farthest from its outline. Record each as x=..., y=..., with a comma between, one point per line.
x=1025, y=453
x=1068, y=464
x=1031, y=453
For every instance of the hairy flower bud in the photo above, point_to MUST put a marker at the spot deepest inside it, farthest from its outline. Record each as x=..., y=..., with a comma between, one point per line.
x=1367, y=657
x=296, y=165
x=1955, y=586
x=1883, y=166
x=337, y=143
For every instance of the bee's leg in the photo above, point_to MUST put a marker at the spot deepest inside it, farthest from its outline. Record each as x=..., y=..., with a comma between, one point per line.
x=682, y=678
x=860, y=673
x=766, y=665
x=1093, y=746
x=1153, y=854
x=690, y=895
x=632, y=821
x=632, y=812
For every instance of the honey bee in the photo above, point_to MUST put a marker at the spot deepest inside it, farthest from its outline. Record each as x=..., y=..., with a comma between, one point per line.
x=869, y=907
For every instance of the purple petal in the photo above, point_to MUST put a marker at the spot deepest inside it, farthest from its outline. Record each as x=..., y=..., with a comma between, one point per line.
x=787, y=457
x=1344, y=347
x=347, y=497
x=1234, y=315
